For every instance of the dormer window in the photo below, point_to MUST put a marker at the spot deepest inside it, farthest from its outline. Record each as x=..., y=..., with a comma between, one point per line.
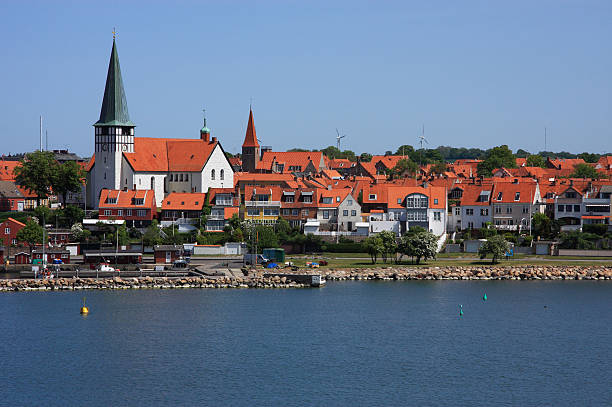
x=327, y=200
x=372, y=197
x=517, y=196
x=112, y=200
x=499, y=196
x=337, y=199
x=138, y=201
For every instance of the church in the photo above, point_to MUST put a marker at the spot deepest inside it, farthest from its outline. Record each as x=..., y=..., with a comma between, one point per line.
x=124, y=162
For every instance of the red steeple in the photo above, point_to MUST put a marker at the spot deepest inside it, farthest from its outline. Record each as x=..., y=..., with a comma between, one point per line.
x=250, y=140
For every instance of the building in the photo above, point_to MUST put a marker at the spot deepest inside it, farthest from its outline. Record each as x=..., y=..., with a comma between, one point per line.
x=167, y=253
x=182, y=209
x=124, y=162
x=136, y=207
x=514, y=203
x=11, y=198
x=262, y=205
x=475, y=211
x=224, y=205
x=8, y=231
x=337, y=210
x=50, y=255
x=250, y=147
x=299, y=162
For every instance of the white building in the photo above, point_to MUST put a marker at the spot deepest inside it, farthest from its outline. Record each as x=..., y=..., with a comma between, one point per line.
x=122, y=161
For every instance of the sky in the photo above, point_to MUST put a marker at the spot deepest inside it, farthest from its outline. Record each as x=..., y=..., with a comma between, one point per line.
x=474, y=73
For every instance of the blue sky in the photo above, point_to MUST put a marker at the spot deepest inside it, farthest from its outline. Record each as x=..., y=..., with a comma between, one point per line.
x=476, y=73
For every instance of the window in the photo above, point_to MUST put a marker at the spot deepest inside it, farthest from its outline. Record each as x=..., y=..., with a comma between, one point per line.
x=525, y=209
x=337, y=199
x=510, y=222
x=372, y=197
x=128, y=212
x=119, y=212
x=570, y=195
x=14, y=241
x=576, y=208
x=107, y=212
x=560, y=208
x=153, y=183
x=180, y=177
x=304, y=212
x=253, y=212
x=286, y=211
x=399, y=201
x=469, y=212
x=497, y=222
x=345, y=212
x=457, y=211
x=508, y=209
x=327, y=200
x=568, y=208
x=484, y=212
x=307, y=199
x=499, y=196
x=295, y=212
x=517, y=196
x=221, y=175
x=435, y=201
x=290, y=199
x=353, y=213
x=270, y=212
x=138, y=201
x=470, y=225
x=437, y=216
x=325, y=214
x=7, y=231
x=350, y=202
x=141, y=212
x=111, y=200
x=212, y=174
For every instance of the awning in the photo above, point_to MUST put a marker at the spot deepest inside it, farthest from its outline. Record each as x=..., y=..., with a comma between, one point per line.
x=306, y=193
x=288, y=193
x=594, y=217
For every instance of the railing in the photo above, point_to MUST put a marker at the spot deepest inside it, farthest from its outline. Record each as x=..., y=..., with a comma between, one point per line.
x=216, y=217
x=223, y=202
x=262, y=203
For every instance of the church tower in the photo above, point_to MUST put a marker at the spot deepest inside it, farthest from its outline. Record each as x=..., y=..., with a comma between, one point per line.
x=114, y=132
x=250, y=147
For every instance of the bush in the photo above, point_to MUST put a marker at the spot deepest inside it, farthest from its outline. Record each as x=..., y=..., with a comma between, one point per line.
x=527, y=240
x=597, y=229
x=510, y=237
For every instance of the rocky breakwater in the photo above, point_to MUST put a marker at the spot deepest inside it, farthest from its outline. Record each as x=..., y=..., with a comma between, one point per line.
x=500, y=272
x=118, y=283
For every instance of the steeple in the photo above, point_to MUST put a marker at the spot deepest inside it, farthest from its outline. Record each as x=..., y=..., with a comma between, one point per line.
x=250, y=139
x=114, y=110
x=205, y=131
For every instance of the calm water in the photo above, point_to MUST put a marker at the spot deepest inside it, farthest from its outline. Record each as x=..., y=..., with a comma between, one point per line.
x=351, y=343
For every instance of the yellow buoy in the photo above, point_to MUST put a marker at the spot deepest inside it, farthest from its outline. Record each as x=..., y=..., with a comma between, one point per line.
x=84, y=309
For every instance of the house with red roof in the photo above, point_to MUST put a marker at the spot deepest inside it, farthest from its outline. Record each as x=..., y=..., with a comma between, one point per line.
x=182, y=208
x=401, y=207
x=290, y=162
x=514, y=203
x=261, y=204
x=11, y=198
x=137, y=207
x=8, y=231
x=337, y=210
x=474, y=210
x=124, y=162
x=224, y=205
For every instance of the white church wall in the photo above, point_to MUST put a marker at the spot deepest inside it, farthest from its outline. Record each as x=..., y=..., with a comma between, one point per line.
x=217, y=162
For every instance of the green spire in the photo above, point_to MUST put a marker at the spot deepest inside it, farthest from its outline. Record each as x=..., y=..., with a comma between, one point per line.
x=205, y=129
x=114, y=110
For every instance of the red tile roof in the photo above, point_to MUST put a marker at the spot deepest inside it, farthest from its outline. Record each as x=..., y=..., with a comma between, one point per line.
x=250, y=138
x=390, y=194
x=525, y=188
x=291, y=159
x=472, y=194
x=389, y=161
x=7, y=168
x=163, y=154
x=125, y=199
x=184, y=201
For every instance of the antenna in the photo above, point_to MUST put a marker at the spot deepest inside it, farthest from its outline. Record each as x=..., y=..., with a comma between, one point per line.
x=41, y=133
x=339, y=137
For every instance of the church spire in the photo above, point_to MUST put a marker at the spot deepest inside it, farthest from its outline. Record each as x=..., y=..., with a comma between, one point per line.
x=114, y=110
x=250, y=139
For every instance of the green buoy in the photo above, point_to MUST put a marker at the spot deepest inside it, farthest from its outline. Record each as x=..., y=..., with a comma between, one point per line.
x=460, y=310
x=484, y=297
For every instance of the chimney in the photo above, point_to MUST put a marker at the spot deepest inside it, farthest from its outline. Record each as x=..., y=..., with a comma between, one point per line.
x=214, y=139
x=571, y=182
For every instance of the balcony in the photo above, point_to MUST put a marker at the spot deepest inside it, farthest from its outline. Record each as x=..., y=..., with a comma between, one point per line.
x=216, y=216
x=223, y=202
x=261, y=204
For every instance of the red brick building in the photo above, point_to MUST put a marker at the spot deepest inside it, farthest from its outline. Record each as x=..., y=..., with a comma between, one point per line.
x=137, y=208
x=167, y=253
x=11, y=198
x=8, y=231
x=52, y=253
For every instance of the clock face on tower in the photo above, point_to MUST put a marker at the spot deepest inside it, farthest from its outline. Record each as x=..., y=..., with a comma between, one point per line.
x=124, y=147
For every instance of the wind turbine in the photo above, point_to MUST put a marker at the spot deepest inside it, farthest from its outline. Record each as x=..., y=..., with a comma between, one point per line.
x=421, y=140
x=338, y=138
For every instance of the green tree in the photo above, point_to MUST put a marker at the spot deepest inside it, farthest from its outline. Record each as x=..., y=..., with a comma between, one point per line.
x=283, y=230
x=235, y=222
x=73, y=214
x=43, y=214
x=404, y=150
x=365, y=157
x=577, y=240
x=389, y=244
x=68, y=178
x=261, y=235
x=122, y=235
x=535, y=160
x=542, y=225
x=206, y=210
x=373, y=245
x=31, y=233
x=404, y=166
x=437, y=168
x=79, y=233
x=496, y=246
x=152, y=235
x=585, y=171
x=496, y=157
x=37, y=172
x=420, y=244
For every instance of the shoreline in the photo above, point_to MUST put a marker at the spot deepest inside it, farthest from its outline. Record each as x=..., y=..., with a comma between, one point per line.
x=258, y=280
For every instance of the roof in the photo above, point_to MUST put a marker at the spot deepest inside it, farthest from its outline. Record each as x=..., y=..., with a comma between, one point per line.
x=230, y=211
x=394, y=195
x=526, y=191
x=472, y=194
x=337, y=195
x=168, y=247
x=14, y=221
x=7, y=168
x=126, y=199
x=340, y=163
x=521, y=162
x=164, y=154
x=114, y=110
x=250, y=139
x=332, y=174
x=565, y=163
x=272, y=191
x=183, y=201
x=8, y=189
x=290, y=159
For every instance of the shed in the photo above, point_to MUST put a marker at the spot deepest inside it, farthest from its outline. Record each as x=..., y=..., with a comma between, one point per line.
x=22, y=258
x=167, y=253
x=472, y=246
x=362, y=228
x=51, y=254
x=311, y=226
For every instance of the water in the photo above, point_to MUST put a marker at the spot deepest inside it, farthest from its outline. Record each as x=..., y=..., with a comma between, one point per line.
x=350, y=343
